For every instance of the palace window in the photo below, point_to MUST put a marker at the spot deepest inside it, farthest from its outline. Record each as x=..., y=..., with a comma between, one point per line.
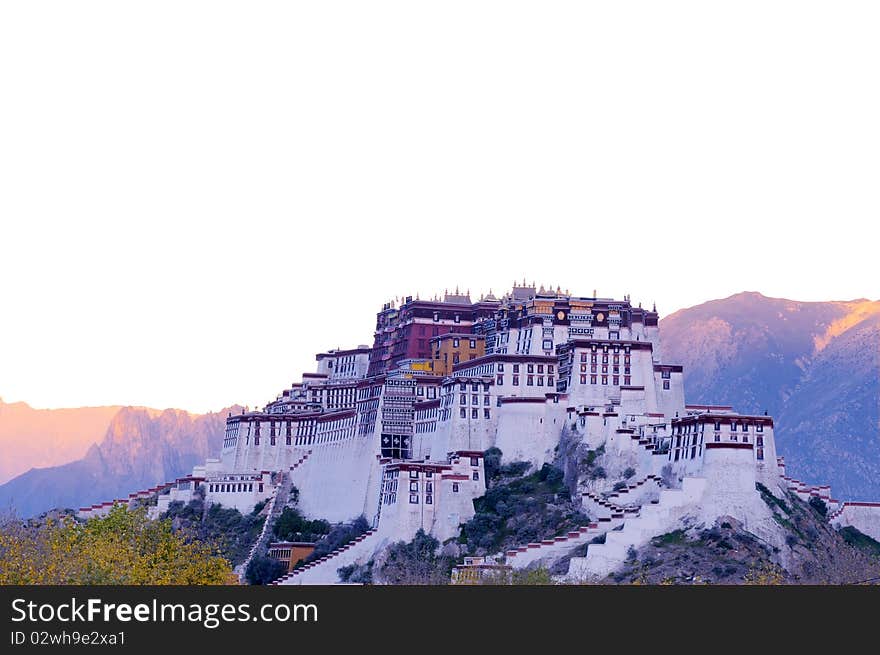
x=540, y=380
x=499, y=380
x=516, y=380
x=592, y=379
x=665, y=375
x=475, y=413
x=549, y=380
x=463, y=399
x=666, y=384
x=463, y=413
x=530, y=380
x=413, y=499
x=455, y=487
x=476, y=475
x=616, y=380
x=486, y=413
x=473, y=343
x=584, y=379
x=530, y=368
x=516, y=368
x=429, y=499
x=759, y=427
x=760, y=453
x=604, y=379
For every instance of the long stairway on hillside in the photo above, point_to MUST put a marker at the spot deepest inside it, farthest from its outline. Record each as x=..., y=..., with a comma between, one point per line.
x=653, y=519
x=276, y=505
x=551, y=549
x=324, y=570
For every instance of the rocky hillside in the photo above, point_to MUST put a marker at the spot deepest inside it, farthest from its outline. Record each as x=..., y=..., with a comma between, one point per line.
x=47, y=437
x=726, y=553
x=140, y=449
x=815, y=366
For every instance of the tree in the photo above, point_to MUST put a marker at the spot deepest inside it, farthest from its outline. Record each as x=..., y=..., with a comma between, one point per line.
x=123, y=547
x=492, y=462
x=263, y=570
x=416, y=562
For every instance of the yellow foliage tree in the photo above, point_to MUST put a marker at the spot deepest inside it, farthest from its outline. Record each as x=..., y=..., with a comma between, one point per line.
x=123, y=547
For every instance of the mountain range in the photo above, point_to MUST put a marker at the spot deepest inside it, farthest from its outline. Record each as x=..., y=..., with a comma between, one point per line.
x=47, y=437
x=814, y=366
x=140, y=448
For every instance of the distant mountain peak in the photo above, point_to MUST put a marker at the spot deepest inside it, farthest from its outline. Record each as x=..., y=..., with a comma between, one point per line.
x=859, y=310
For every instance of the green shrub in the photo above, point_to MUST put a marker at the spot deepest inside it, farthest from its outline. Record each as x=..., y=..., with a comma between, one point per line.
x=233, y=532
x=818, y=506
x=356, y=573
x=673, y=538
x=492, y=462
x=416, y=562
x=860, y=540
x=628, y=473
x=515, y=469
x=338, y=535
x=292, y=526
x=263, y=570
x=519, y=510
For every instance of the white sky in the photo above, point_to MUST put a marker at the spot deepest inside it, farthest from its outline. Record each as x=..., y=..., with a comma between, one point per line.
x=195, y=197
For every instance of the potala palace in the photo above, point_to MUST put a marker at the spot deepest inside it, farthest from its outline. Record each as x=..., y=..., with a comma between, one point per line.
x=396, y=432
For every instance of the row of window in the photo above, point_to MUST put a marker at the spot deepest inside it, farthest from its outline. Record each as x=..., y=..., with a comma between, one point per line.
x=234, y=488
x=615, y=380
x=530, y=380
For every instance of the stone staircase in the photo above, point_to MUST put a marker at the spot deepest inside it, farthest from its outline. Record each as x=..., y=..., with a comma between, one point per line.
x=653, y=519
x=276, y=505
x=557, y=547
x=323, y=571
x=623, y=501
x=101, y=509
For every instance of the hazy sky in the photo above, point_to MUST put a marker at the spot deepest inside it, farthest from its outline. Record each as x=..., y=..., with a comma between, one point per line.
x=197, y=197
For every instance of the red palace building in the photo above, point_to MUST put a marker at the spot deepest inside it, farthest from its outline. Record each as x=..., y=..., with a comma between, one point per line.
x=405, y=332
